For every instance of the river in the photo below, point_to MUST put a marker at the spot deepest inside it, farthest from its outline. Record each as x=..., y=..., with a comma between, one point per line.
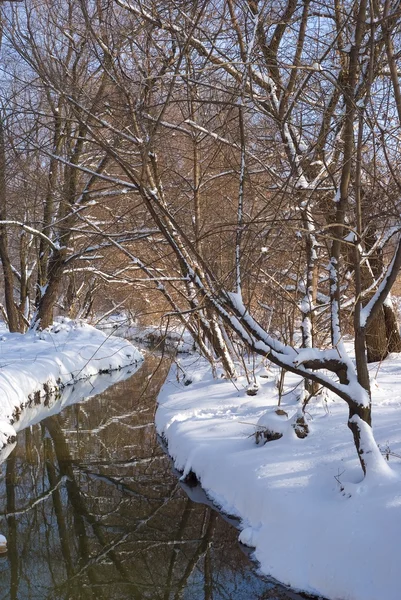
x=92, y=509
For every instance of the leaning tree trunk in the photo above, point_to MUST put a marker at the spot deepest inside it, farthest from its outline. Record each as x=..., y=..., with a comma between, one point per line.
x=392, y=328
x=376, y=339
x=382, y=335
x=357, y=416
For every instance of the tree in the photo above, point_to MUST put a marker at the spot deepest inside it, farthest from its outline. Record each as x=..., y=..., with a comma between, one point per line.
x=251, y=128
x=46, y=53
x=317, y=161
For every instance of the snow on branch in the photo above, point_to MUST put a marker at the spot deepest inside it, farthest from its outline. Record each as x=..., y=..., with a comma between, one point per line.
x=369, y=311
x=33, y=231
x=303, y=362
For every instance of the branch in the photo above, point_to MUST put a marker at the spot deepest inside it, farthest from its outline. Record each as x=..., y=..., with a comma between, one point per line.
x=33, y=231
x=369, y=311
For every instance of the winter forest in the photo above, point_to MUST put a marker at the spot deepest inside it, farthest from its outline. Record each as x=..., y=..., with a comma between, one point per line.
x=230, y=169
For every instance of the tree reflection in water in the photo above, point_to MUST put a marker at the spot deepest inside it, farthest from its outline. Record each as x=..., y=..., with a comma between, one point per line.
x=92, y=510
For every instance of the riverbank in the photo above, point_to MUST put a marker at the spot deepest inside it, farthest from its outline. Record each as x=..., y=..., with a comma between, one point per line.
x=112, y=522
x=315, y=523
x=173, y=338
x=35, y=365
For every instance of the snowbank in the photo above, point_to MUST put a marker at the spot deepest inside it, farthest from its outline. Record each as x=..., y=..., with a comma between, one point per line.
x=315, y=524
x=35, y=365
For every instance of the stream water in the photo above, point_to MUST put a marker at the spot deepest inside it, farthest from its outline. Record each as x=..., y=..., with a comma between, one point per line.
x=92, y=509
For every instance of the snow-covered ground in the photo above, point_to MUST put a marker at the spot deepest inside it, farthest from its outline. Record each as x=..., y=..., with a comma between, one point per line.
x=315, y=523
x=35, y=365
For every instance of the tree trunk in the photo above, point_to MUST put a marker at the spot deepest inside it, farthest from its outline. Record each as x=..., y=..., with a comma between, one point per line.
x=56, y=262
x=376, y=339
x=364, y=414
x=44, y=314
x=219, y=345
x=382, y=335
x=392, y=329
x=49, y=206
x=11, y=309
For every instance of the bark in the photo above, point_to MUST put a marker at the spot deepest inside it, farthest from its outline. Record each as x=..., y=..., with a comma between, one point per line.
x=365, y=414
x=49, y=206
x=376, y=339
x=44, y=316
x=11, y=309
x=392, y=329
x=56, y=263
x=382, y=333
x=220, y=348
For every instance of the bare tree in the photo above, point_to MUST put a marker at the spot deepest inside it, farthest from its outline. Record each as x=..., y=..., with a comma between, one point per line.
x=254, y=138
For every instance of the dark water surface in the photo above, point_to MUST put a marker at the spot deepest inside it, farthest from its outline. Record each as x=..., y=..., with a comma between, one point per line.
x=92, y=510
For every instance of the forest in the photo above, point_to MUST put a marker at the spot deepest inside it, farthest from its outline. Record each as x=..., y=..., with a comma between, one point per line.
x=231, y=167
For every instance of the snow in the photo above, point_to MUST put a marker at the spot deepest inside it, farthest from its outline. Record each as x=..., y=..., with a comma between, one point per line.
x=34, y=365
x=315, y=522
x=175, y=337
x=351, y=237
x=366, y=310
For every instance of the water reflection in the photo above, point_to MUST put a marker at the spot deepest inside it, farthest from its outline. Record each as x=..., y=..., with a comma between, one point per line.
x=92, y=510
